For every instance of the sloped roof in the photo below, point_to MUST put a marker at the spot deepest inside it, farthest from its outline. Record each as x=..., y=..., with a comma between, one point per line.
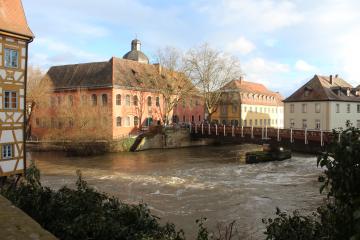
x=320, y=88
x=251, y=88
x=115, y=72
x=12, y=18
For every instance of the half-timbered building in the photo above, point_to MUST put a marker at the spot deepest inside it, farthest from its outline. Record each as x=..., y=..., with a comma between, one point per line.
x=15, y=35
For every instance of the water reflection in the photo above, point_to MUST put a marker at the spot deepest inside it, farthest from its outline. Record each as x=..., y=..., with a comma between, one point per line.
x=181, y=185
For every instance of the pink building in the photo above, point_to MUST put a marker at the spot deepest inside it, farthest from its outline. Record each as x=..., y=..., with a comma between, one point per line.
x=116, y=93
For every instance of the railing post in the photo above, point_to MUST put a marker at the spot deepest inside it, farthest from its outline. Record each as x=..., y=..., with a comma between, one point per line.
x=196, y=128
x=305, y=137
x=339, y=137
x=278, y=134
x=202, y=129
x=291, y=135
x=252, y=131
x=216, y=130
x=266, y=133
x=321, y=138
x=233, y=131
x=242, y=131
x=224, y=131
x=209, y=130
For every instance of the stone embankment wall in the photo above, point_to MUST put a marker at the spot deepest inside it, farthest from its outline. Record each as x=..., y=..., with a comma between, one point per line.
x=15, y=224
x=171, y=138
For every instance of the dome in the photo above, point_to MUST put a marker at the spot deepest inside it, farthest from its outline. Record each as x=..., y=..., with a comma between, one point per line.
x=136, y=54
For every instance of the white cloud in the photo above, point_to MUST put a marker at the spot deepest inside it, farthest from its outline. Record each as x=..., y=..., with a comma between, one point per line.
x=241, y=45
x=263, y=15
x=303, y=66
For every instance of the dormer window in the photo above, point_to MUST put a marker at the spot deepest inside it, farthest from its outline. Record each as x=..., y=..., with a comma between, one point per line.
x=348, y=92
x=306, y=92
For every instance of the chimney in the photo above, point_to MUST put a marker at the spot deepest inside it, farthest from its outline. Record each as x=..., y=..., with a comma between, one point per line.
x=331, y=79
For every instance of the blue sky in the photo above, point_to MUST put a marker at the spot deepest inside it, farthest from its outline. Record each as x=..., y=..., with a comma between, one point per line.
x=280, y=43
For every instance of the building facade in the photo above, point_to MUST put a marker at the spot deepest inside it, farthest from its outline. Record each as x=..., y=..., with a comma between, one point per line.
x=247, y=104
x=15, y=35
x=114, y=98
x=323, y=103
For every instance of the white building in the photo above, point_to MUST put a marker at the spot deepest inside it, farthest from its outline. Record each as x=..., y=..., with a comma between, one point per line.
x=323, y=103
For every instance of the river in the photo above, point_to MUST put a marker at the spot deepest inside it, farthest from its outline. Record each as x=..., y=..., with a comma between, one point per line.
x=181, y=185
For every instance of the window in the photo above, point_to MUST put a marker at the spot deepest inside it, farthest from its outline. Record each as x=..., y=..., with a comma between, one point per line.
x=292, y=108
x=306, y=92
x=268, y=121
x=118, y=99
x=10, y=100
x=192, y=118
x=94, y=99
x=250, y=109
x=251, y=123
x=234, y=108
x=37, y=122
x=304, y=123
x=256, y=109
x=358, y=108
x=292, y=123
x=70, y=100
x=118, y=121
x=261, y=122
x=304, y=108
x=358, y=123
x=197, y=102
x=337, y=108
x=348, y=108
x=183, y=118
x=11, y=58
x=158, y=101
x=136, y=120
x=317, y=107
x=245, y=122
x=149, y=101
x=135, y=99
x=199, y=118
x=256, y=122
x=104, y=99
x=127, y=121
x=317, y=124
x=245, y=109
x=83, y=99
x=7, y=151
x=183, y=103
x=59, y=100
x=127, y=100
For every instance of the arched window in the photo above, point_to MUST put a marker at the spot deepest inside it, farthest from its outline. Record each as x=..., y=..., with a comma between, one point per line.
x=127, y=121
x=118, y=99
x=149, y=101
x=104, y=99
x=94, y=99
x=135, y=99
x=157, y=101
x=118, y=121
x=136, y=121
x=127, y=100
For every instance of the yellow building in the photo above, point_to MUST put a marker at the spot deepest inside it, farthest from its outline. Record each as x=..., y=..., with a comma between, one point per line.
x=249, y=104
x=15, y=36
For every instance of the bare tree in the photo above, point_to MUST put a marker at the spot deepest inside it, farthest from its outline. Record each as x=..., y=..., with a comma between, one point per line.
x=210, y=70
x=171, y=80
x=37, y=93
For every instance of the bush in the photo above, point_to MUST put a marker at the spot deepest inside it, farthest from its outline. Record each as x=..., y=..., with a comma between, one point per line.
x=339, y=218
x=83, y=213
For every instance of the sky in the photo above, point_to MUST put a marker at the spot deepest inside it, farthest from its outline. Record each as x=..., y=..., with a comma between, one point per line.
x=280, y=43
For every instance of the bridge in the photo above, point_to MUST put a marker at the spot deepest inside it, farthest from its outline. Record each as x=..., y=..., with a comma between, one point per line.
x=303, y=140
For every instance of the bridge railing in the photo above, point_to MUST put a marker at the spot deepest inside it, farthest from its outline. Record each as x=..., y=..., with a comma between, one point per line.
x=291, y=135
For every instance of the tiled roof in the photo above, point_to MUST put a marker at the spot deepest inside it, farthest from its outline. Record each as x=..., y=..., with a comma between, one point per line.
x=253, y=93
x=115, y=72
x=12, y=18
x=320, y=88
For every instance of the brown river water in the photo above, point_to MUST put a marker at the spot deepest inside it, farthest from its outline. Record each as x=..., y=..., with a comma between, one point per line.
x=181, y=185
